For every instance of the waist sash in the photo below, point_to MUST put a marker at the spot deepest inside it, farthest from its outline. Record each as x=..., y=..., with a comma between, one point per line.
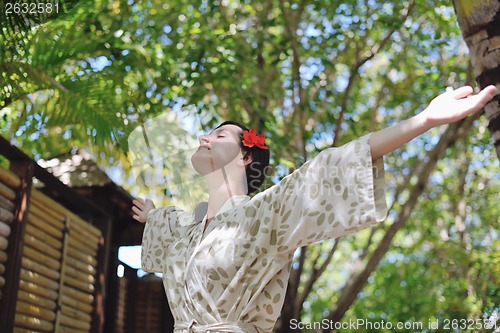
x=229, y=327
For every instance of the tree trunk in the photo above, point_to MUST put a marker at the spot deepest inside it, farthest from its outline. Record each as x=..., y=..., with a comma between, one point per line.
x=479, y=21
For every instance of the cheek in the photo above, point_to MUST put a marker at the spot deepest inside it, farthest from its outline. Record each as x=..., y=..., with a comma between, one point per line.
x=221, y=154
x=225, y=152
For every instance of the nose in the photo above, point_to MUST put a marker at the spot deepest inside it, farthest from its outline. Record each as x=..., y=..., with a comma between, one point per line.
x=203, y=139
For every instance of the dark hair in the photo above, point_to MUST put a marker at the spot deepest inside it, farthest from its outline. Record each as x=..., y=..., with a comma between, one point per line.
x=256, y=170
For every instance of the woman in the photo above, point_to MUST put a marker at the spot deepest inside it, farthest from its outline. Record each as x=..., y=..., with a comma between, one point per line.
x=228, y=271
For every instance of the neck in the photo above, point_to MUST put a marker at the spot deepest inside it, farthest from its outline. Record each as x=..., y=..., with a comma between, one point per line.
x=221, y=187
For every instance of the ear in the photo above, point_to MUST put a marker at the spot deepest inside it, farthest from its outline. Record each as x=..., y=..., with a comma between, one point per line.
x=247, y=159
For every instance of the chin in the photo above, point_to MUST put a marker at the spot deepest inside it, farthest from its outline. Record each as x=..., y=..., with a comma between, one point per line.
x=201, y=164
x=205, y=162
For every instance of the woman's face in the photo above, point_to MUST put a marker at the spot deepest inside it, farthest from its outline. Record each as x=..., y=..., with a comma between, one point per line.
x=217, y=149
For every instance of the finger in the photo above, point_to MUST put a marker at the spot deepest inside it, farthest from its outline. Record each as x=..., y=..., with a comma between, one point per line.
x=485, y=95
x=136, y=210
x=139, y=200
x=461, y=92
x=137, y=217
x=139, y=204
x=477, y=102
x=489, y=91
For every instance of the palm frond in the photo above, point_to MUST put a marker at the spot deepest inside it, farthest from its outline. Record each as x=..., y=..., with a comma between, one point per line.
x=19, y=17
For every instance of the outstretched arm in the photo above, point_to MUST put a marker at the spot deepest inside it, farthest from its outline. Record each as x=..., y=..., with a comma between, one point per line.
x=448, y=107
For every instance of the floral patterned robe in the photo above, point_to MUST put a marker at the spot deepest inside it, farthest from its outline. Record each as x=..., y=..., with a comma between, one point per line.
x=233, y=277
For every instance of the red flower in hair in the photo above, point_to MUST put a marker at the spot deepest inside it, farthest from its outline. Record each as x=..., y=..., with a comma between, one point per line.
x=250, y=139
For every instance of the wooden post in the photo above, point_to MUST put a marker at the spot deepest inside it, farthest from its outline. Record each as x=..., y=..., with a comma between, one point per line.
x=98, y=315
x=24, y=169
x=112, y=292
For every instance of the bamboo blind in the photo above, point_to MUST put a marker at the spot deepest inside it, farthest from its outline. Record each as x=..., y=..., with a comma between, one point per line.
x=8, y=183
x=57, y=281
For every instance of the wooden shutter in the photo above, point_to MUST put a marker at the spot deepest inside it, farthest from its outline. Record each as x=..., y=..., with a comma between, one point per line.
x=7, y=197
x=56, y=291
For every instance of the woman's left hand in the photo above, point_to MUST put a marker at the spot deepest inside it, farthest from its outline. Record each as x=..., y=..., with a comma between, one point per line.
x=141, y=209
x=457, y=104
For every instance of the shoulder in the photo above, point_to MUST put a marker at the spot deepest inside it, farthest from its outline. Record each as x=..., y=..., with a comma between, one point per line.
x=172, y=215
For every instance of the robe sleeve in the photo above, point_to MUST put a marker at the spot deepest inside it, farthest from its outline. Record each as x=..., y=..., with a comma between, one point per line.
x=336, y=193
x=155, y=240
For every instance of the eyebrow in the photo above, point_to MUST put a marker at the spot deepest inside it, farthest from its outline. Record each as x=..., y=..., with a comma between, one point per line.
x=220, y=129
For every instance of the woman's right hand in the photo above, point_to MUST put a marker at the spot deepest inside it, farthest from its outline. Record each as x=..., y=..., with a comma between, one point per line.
x=141, y=209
